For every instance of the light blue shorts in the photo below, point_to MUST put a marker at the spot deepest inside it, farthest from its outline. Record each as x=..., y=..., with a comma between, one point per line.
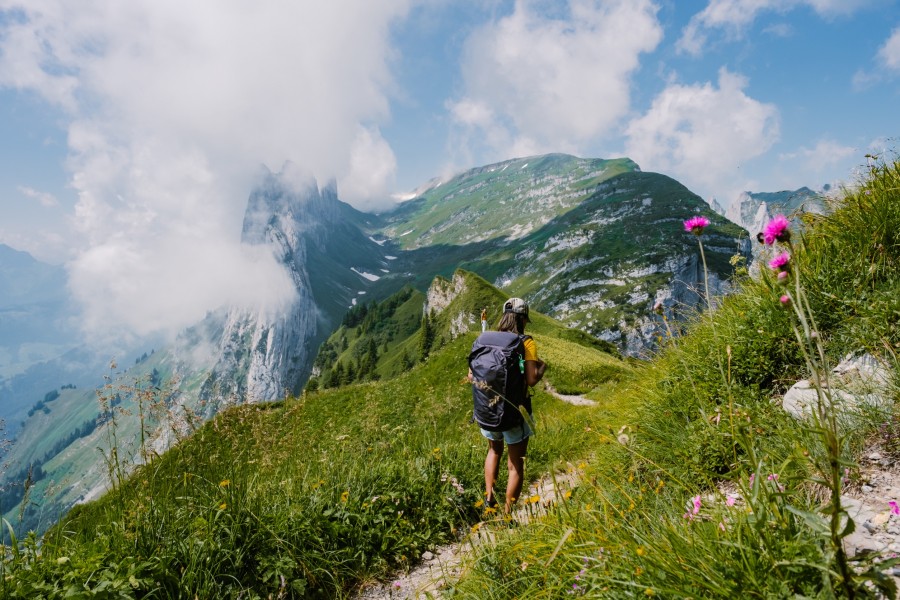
x=515, y=435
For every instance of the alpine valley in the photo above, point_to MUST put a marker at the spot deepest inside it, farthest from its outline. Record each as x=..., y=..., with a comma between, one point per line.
x=595, y=244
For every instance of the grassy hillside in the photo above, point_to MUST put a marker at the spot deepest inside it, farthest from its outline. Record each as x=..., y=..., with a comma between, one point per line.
x=692, y=481
x=712, y=491
x=310, y=496
x=503, y=200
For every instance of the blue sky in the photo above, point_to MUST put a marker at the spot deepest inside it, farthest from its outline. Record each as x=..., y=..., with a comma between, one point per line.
x=131, y=133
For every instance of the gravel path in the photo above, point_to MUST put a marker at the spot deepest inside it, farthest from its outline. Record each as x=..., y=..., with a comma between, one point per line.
x=444, y=565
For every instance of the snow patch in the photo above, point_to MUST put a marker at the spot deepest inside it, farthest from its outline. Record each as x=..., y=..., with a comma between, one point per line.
x=365, y=275
x=405, y=233
x=379, y=242
x=391, y=257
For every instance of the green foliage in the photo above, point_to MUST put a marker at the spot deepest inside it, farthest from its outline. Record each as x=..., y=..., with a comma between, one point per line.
x=302, y=498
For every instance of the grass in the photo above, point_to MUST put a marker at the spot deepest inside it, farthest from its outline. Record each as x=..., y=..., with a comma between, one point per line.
x=306, y=497
x=716, y=492
x=694, y=482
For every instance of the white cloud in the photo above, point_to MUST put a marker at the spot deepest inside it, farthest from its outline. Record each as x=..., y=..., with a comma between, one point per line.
x=701, y=134
x=820, y=158
x=734, y=16
x=534, y=83
x=889, y=53
x=370, y=176
x=44, y=198
x=171, y=108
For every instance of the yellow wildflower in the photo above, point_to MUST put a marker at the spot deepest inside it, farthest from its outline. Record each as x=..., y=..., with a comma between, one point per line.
x=649, y=592
x=568, y=494
x=640, y=551
x=345, y=495
x=225, y=483
x=479, y=504
x=223, y=506
x=535, y=499
x=476, y=527
x=490, y=510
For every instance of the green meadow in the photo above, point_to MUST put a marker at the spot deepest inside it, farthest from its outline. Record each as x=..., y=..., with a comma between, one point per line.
x=692, y=482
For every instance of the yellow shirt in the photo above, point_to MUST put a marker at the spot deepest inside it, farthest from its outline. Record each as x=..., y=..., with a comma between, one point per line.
x=530, y=349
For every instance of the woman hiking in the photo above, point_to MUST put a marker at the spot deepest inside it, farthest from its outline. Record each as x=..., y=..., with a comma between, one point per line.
x=510, y=428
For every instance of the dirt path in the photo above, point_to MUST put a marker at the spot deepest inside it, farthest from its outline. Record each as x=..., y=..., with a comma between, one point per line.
x=576, y=400
x=446, y=563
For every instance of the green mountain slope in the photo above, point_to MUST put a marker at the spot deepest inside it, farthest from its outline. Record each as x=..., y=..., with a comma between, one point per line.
x=600, y=265
x=313, y=495
x=500, y=201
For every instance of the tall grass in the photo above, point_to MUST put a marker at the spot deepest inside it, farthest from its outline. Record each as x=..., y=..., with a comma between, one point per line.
x=716, y=492
x=303, y=498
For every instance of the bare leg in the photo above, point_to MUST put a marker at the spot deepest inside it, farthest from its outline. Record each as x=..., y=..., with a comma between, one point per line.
x=492, y=467
x=515, y=462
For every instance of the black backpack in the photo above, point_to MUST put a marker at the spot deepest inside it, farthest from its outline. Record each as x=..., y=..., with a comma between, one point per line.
x=497, y=362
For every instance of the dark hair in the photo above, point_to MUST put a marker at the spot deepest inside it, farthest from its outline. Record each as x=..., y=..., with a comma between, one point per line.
x=512, y=322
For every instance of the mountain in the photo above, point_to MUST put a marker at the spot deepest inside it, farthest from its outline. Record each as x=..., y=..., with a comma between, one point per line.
x=37, y=318
x=506, y=200
x=752, y=210
x=593, y=243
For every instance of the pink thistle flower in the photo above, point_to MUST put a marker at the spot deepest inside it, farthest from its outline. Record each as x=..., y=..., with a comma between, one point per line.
x=895, y=508
x=752, y=478
x=780, y=262
x=722, y=525
x=778, y=230
x=783, y=277
x=696, y=225
x=697, y=504
x=729, y=501
x=785, y=300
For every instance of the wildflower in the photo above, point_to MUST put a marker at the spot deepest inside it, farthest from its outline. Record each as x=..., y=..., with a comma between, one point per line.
x=778, y=230
x=535, y=499
x=490, y=510
x=722, y=525
x=783, y=277
x=785, y=300
x=729, y=501
x=523, y=566
x=397, y=585
x=697, y=504
x=477, y=526
x=479, y=504
x=223, y=506
x=895, y=508
x=345, y=495
x=658, y=307
x=696, y=225
x=781, y=262
x=225, y=483
x=649, y=592
x=568, y=494
x=640, y=551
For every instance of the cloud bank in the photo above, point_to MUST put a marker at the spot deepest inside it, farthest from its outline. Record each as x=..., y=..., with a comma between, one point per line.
x=733, y=17
x=170, y=108
x=535, y=83
x=702, y=134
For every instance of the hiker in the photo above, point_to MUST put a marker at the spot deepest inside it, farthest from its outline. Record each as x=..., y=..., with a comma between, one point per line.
x=483, y=320
x=511, y=428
